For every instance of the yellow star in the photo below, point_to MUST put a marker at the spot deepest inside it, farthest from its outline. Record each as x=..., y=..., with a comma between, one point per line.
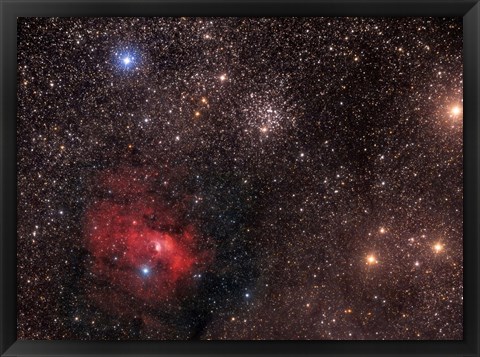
x=438, y=247
x=456, y=110
x=371, y=259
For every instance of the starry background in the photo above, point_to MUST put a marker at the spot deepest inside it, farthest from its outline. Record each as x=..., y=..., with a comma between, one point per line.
x=316, y=161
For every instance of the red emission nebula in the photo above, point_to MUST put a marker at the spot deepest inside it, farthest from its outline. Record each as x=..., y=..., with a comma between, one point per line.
x=140, y=243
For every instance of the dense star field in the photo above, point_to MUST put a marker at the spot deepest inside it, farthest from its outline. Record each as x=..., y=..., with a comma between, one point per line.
x=240, y=178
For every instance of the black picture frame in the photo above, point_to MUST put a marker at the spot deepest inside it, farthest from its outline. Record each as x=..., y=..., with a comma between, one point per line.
x=11, y=9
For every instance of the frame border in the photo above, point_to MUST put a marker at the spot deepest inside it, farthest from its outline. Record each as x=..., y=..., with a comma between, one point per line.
x=11, y=9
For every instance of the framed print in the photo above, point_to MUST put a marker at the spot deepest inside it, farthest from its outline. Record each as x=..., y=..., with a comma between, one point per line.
x=240, y=178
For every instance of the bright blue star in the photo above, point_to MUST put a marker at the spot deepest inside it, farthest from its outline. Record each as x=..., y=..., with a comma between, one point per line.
x=145, y=271
x=126, y=60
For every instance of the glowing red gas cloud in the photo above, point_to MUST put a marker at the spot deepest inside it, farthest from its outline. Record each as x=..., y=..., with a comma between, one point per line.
x=140, y=241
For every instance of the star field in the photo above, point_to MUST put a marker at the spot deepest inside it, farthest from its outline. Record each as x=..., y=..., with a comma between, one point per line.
x=240, y=178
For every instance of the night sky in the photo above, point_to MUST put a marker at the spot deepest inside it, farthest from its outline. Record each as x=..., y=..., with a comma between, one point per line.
x=240, y=178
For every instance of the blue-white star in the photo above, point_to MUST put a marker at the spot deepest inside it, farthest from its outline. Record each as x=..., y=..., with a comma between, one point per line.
x=126, y=60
